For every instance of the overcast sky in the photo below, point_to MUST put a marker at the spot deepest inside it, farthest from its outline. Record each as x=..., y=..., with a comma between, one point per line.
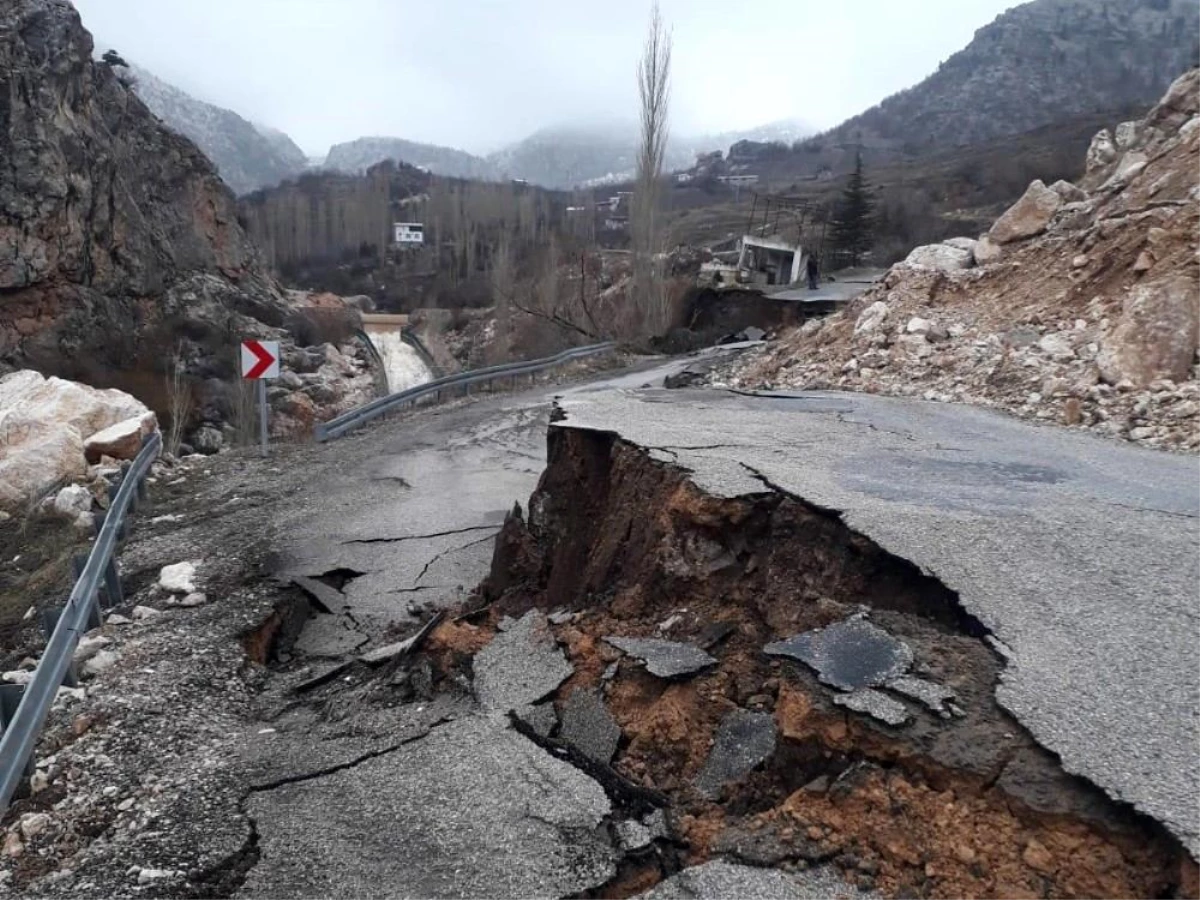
x=478, y=74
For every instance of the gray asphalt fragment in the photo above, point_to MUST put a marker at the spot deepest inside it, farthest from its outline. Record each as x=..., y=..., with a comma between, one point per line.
x=933, y=695
x=1077, y=553
x=520, y=666
x=848, y=655
x=666, y=659
x=744, y=739
x=471, y=810
x=719, y=880
x=875, y=704
x=587, y=723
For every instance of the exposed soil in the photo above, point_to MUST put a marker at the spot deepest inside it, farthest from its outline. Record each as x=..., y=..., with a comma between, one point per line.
x=943, y=807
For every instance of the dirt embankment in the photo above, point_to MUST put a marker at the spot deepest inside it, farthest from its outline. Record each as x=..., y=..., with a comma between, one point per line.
x=956, y=803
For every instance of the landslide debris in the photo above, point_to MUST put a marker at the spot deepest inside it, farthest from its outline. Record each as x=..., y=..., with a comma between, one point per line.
x=1082, y=307
x=778, y=761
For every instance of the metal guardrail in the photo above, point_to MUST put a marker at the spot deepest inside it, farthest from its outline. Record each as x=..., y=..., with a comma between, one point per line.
x=346, y=421
x=81, y=612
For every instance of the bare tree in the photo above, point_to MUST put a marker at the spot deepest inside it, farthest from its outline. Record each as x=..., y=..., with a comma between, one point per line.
x=654, y=89
x=179, y=400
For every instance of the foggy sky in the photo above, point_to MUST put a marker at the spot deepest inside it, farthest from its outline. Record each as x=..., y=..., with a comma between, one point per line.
x=478, y=74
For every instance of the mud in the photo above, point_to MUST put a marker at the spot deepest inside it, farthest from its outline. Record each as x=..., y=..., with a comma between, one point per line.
x=964, y=805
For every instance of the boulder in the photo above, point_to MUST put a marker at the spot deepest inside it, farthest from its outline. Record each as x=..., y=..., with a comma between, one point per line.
x=944, y=257
x=1155, y=336
x=208, y=439
x=1101, y=152
x=1069, y=192
x=43, y=422
x=1127, y=134
x=86, y=409
x=178, y=578
x=73, y=501
x=122, y=440
x=871, y=318
x=1027, y=217
x=987, y=251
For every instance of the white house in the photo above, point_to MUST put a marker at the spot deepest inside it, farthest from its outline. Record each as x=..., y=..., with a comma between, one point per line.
x=408, y=233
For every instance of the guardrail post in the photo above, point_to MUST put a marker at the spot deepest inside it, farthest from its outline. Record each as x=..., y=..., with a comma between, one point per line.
x=48, y=620
x=10, y=699
x=113, y=595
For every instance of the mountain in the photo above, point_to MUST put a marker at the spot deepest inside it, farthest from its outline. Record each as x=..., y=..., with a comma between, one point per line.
x=565, y=157
x=1036, y=64
x=246, y=155
x=355, y=157
x=785, y=131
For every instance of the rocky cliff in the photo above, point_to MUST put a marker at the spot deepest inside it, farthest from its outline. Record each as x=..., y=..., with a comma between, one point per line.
x=247, y=156
x=1038, y=63
x=1081, y=304
x=120, y=247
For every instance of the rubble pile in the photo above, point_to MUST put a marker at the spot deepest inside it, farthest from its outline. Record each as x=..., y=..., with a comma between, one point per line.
x=1079, y=307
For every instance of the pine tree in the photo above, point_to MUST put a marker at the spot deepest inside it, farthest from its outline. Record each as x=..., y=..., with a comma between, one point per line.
x=853, y=224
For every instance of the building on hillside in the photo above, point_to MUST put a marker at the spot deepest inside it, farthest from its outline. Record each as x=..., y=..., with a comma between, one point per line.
x=768, y=260
x=408, y=234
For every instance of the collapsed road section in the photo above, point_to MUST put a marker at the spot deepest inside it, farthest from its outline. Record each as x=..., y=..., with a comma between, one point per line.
x=941, y=650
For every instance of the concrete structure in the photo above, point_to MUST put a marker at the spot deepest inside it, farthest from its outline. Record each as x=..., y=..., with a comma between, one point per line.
x=765, y=260
x=411, y=233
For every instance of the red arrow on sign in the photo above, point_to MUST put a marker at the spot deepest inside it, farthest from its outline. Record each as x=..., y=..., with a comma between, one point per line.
x=265, y=359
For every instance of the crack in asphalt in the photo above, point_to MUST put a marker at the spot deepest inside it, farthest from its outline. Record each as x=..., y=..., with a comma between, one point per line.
x=437, y=556
x=349, y=764
x=417, y=537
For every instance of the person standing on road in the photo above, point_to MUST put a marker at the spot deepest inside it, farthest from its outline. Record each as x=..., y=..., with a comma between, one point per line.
x=811, y=268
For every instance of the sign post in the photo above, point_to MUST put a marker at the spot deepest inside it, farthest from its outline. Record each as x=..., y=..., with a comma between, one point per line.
x=260, y=361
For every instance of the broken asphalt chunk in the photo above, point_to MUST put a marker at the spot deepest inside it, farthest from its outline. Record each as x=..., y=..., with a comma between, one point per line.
x=743, y=740
x=520, y=666
x=588, y=725
x=718, y=879
x=404, y=647
x=541, y=718
x=666, y=659
x=930, y=693
x=875, y=704
x=849, y=655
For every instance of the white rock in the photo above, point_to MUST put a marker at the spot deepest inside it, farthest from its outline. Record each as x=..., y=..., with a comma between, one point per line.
x=987, y=251
x=146, y=612
x=917, y=325
x=1056, y=347
x=72, y=501
x=44, y=421
x=122, y=440
x=943, y=257
x=1127, y=134
x=17, y=677
x=118, y=619
x=194, y=599
x=90, y=646
x=872, y=317
x=33, y=824
x=1028, y=216
x=38, y=782
x=179, y=578
x=1101, y=152
x=125, y=804
x=101, y=661
x=146, y=876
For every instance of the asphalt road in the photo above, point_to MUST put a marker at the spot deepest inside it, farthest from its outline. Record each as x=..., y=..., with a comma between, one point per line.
x=1079, y=554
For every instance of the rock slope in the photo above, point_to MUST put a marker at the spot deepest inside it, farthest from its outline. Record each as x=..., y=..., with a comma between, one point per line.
x=1080, y=305
x=121, y=255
